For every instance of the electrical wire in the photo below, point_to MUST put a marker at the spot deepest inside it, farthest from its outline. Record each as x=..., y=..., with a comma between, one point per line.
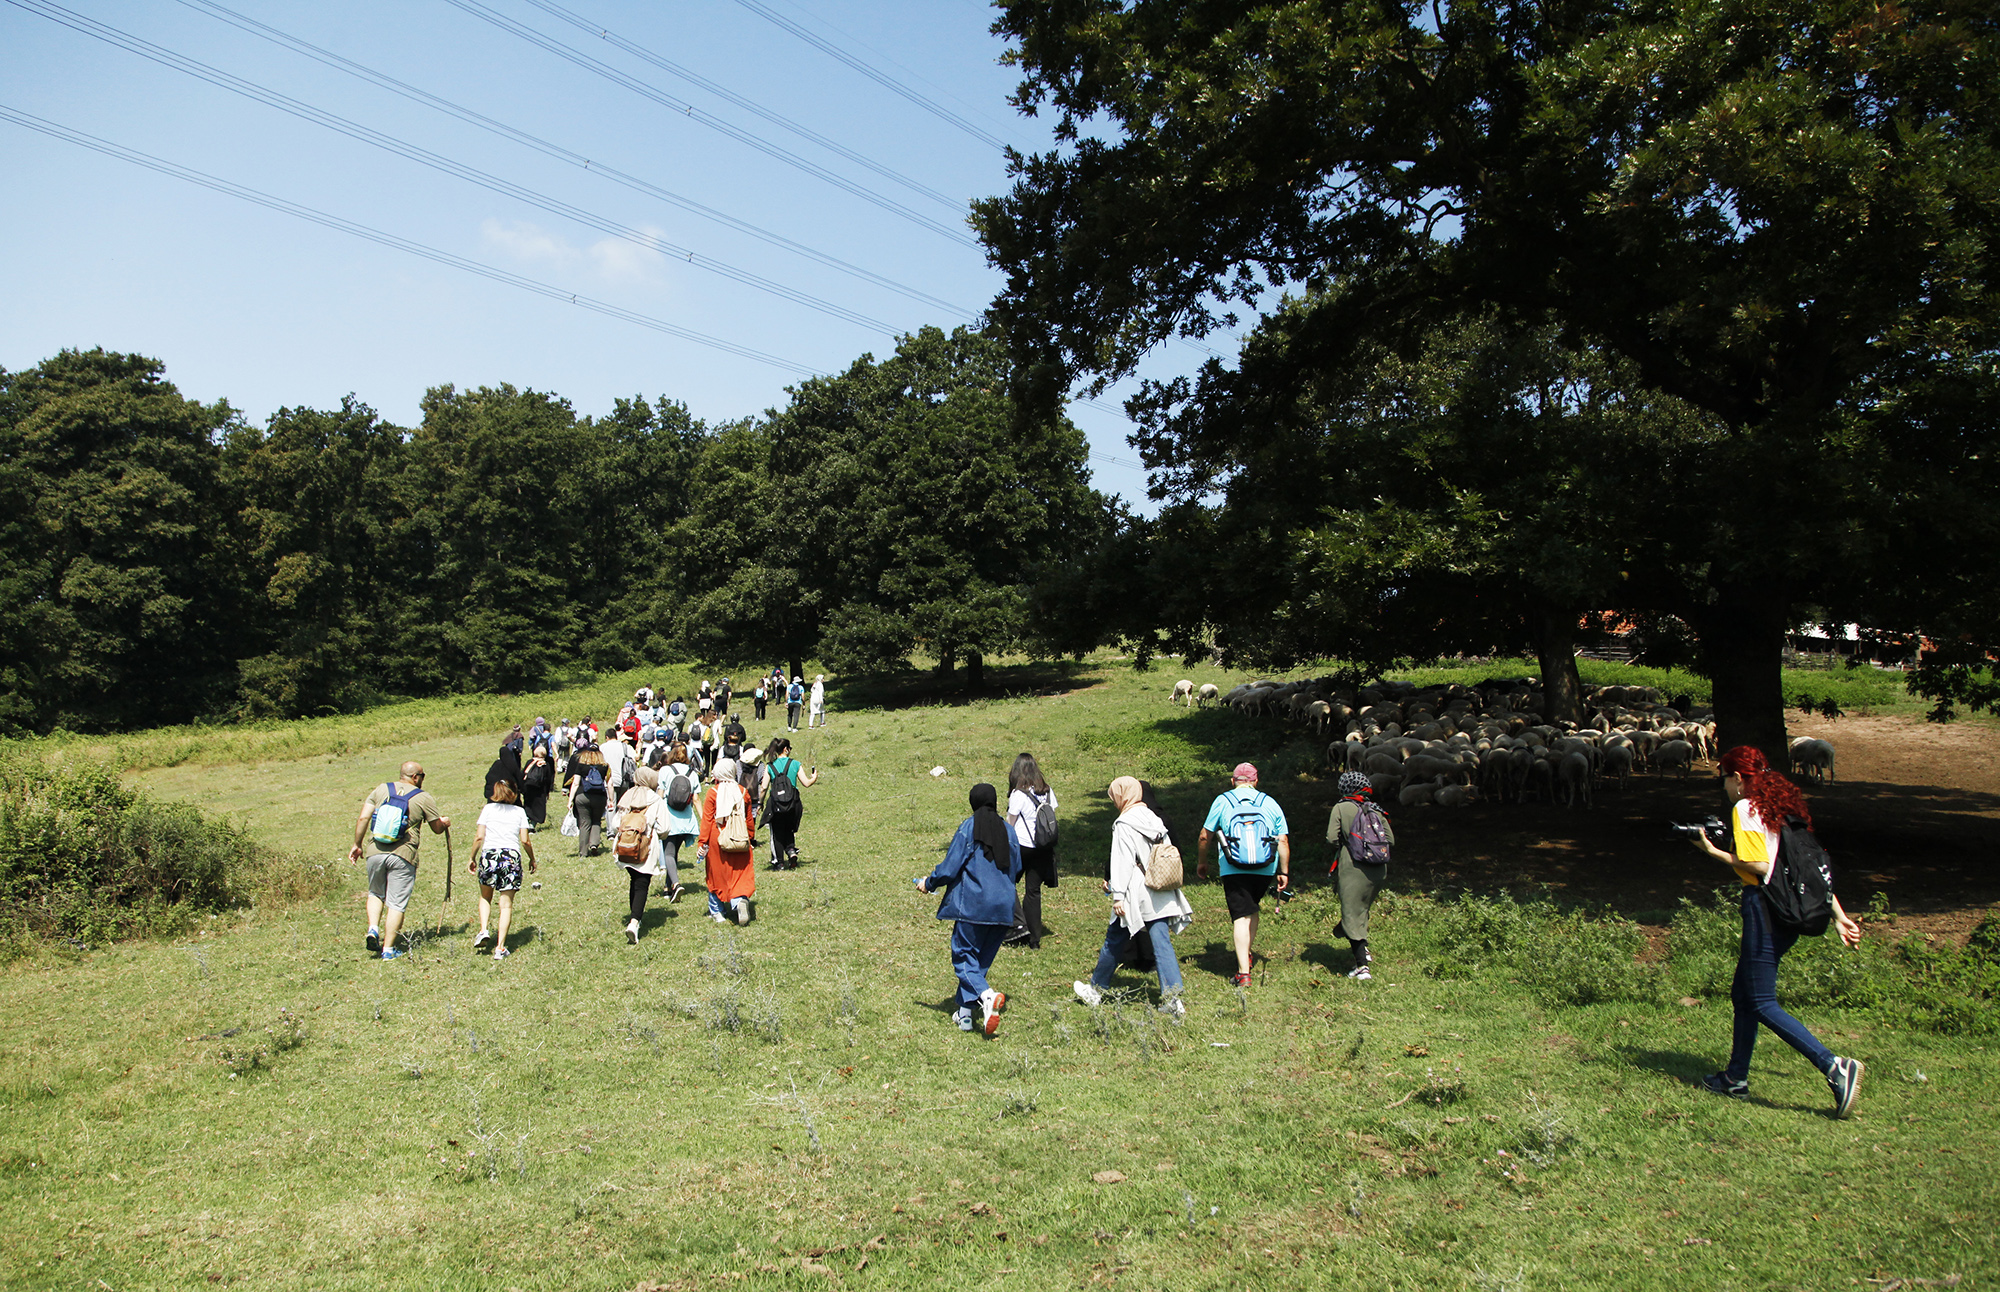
x=389, y=143
x=316, y=216
x=748, y=105
x=688, y=110
x=384, y=81
x=881, y=78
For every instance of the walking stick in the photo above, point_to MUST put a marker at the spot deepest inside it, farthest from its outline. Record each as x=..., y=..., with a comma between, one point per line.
x=450, y=864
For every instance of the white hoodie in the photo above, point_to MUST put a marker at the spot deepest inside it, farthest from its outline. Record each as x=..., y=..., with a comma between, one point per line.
x=1132, y=838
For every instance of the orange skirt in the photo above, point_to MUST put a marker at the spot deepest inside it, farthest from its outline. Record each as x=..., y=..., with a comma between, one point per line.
x=731, y=875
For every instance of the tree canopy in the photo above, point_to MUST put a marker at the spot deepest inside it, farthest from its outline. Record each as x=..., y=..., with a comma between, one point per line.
x=1777, y=217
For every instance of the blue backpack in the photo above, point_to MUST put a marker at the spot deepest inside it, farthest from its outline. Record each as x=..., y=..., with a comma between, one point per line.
x=593, y=779
x=390, y=826
x=1247, y=835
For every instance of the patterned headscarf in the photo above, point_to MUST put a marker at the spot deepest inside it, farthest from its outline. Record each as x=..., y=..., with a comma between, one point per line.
x=1354, y=783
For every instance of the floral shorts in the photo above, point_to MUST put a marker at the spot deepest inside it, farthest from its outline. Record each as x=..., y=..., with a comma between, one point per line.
x=500, y=870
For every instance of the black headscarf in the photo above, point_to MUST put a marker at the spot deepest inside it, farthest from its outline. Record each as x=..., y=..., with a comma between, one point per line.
x=989, y=830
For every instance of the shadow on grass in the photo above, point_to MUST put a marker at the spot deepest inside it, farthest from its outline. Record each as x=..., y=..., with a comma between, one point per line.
x=1689, y=1069
x=914, y=689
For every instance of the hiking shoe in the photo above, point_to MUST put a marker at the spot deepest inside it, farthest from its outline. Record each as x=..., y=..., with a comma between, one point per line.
x=1720, y=1084
x=501, y=953
x=1360, y=973
x=481, y=940
x=374, y=939
x=742, y=909
x=632, y=933
x=1845, y=1083
x=1241, y=979
x=718, y=917
x=1174, y=1008
x=394, y=953
x=1086, y=993
x=964, y=1020
x=673, y=894
x=991, y=1003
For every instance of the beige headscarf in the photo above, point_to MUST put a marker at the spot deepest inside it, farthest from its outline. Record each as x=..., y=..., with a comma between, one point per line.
x=725, y=770
x=647, y=777
x=1124, y=792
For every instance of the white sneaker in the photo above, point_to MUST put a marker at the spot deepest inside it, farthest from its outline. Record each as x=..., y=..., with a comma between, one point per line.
x=1174, y=1008
x=990, y=1004
x=632, y=933
x=742, y=908
x=1086, y=993
x=718, y=917
x=1360, y=973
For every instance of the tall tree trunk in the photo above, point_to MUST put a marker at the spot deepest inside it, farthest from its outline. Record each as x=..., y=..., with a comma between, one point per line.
x=975, y=670
x=1555, y=646
x=1742, y=646
x=798, y=667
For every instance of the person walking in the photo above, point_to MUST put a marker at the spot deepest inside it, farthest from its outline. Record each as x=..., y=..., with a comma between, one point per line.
x=1761, y=802
x=506, y=766
x=1138, y=909
x=589, y=786
x=1361, y=836
x=728, y=846
x=1028, y=793
x=633, y=846
x=723, y=694
x=761, y=696
x=1256, y=848
x=537, y=779
x=500, y=840
x=676, y=817
x=795, y=696
x=619, y=761
x=977, y=876
x=390, y=823
x=818, y=715
x=784, y=805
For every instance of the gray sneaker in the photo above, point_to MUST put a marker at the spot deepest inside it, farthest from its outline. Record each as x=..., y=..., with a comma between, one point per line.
x=964, y=1020
x=1845, y=1083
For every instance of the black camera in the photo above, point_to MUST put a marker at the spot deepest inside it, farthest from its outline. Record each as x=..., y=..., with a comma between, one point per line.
x=1712, y=826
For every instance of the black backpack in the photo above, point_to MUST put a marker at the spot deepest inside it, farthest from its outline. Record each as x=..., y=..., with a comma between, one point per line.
x=679, y=792
x=784, y=795
x=1799, y=890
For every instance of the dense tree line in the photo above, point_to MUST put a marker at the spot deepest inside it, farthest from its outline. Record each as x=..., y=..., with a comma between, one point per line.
x=167, y=561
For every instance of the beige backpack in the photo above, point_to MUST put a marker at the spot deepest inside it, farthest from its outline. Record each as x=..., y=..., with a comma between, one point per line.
x=1163, y=868
x=733, y=834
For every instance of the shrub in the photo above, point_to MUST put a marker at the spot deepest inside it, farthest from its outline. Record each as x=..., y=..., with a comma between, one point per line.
x=1562, y=957
x=84, y=859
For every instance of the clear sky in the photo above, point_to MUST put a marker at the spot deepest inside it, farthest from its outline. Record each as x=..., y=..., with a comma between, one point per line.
x=266, y=309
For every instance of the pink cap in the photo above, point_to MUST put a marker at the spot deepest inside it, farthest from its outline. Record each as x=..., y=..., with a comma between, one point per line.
x=1243, y=772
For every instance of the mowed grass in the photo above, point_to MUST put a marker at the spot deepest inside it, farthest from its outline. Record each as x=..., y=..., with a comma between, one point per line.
x=789, y=1105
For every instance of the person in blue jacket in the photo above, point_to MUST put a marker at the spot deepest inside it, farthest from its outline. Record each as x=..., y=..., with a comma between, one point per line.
x=978, y=875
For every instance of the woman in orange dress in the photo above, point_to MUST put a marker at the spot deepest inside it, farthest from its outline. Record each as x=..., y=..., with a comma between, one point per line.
x=730, y=873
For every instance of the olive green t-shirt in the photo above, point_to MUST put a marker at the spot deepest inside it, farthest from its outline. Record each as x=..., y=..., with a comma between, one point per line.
x=423, y=810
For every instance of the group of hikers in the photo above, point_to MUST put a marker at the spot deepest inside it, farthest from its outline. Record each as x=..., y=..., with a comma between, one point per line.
x=666, y=785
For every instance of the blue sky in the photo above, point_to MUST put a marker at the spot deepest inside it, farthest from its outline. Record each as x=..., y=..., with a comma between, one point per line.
x=268, y=310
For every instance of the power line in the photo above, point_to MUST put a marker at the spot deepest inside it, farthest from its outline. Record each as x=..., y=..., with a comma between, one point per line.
x=748, y=105
x=881, y=78
x=689, y=111
x=389, y=143
x=560, y=153
x=316, y=216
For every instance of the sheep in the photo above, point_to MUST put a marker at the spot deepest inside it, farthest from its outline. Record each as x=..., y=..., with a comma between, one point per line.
x=1384, y=785
x=1574, y=774
x=1321, y=713
x=1540, y=778
x=1183, y=692
x=1207, y=695
x=1813, y=757
x=1618, y=760
x=1419, y=795
x=1455, y=796
x=1674, y=753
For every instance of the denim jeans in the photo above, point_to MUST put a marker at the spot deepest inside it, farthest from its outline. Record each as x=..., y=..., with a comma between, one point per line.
x=1754, y=993
x=1115, y=938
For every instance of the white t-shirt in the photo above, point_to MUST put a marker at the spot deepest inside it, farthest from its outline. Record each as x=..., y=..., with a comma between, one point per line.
x=616, y=756
x=1752, y=840
x=1021, y=809
x=505, y=824
x=819, y=695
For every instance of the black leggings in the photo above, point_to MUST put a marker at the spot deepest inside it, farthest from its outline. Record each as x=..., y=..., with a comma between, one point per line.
x=641, y=884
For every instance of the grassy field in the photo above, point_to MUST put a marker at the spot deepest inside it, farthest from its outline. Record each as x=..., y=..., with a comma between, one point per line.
x=789, y=1105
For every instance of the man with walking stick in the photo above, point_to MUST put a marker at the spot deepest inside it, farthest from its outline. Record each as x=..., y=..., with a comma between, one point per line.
x=389, y=826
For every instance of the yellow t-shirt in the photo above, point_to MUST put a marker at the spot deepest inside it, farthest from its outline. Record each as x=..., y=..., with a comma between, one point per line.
x=1752, y=842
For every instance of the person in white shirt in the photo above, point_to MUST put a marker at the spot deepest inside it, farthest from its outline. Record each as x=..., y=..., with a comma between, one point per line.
x=818, y=702
x=501, y=839
x=1028, y=792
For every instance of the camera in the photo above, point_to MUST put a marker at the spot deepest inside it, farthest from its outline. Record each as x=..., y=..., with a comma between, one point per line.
x=1712, y=826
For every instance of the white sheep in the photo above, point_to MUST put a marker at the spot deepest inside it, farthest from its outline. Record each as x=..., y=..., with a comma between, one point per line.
x=1618, y=759
x=1207, y=695
x=1813, y=757
x=1183, y=693
x=1574, y=775
x=1674, y=753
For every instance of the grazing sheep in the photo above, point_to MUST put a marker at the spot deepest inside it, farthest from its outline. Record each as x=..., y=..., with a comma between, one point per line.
x=1618, y=761
x=1183, y=692
x=1573, y=773
x=1813, y=758
x=1455, y=796
x=1207, y=695
x=1321, y=713
x=1420, y=795
x=1674, y=753
x=1384, y=785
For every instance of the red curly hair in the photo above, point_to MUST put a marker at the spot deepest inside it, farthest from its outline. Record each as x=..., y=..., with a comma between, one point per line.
x=1771, y=793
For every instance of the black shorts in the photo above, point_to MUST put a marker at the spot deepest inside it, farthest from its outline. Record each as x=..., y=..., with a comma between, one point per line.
x=1243, y=892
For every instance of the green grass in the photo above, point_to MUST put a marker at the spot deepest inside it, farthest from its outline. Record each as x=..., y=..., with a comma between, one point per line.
x=592, y=1115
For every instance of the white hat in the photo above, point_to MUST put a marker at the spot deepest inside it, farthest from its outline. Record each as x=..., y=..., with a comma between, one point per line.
x=751, y=755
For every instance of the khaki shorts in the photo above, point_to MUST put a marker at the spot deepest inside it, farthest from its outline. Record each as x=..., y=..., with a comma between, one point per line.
x=392, y=879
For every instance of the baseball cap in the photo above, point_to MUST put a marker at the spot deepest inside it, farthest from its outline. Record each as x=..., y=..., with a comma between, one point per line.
x=1243, y=772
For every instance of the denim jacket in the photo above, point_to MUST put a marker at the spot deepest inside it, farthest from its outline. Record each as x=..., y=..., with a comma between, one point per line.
x=977, y=891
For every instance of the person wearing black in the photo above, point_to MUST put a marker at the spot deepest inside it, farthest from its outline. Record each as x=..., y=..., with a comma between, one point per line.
x=589, y=785
x=784, y=821
x=507, y=767
x=537, y=779
x=733, y=733
x=722, y=694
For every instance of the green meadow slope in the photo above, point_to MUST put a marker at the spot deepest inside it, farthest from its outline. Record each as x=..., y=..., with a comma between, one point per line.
x=788, y=1104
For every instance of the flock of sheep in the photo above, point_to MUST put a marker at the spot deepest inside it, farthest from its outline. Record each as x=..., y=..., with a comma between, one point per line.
x=1452, y=745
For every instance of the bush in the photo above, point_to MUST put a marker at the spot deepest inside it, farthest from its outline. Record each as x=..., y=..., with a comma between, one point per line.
x=1562, y=957
x=86, y=860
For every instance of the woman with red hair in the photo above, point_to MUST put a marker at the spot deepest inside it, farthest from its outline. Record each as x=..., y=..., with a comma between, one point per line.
x=1761, y=800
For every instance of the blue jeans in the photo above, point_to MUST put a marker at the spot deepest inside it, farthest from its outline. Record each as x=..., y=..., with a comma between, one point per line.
x=1115, y=938
x=1754, y=993
x=973, y=947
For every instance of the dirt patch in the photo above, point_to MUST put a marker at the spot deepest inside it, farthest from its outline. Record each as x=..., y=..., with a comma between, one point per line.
x=1913, y=811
